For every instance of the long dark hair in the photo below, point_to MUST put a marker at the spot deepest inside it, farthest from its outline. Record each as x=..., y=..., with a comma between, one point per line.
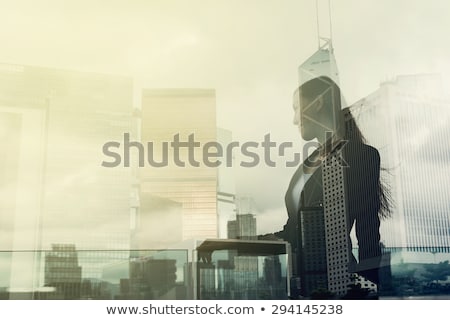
x=353, y=133
x=345, y=128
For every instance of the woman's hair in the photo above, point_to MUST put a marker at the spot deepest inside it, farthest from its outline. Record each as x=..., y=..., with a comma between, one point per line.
x=345, y=127
x=353, y=133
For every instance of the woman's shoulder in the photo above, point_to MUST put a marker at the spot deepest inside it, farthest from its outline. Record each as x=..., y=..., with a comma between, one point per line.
x=357, y=150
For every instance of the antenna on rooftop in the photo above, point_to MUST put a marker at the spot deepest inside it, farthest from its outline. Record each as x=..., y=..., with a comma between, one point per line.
x=328, y=40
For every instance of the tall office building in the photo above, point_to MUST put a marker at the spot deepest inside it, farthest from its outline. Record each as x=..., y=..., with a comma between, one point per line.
x=245, y=268
x=336, y=226
x=22, y=158
x=325, y=253
x=85, y=203
x=151, y=279
x=62, y=272
x=414, y=115
x=60, y=121
x=323, y=232
x=272, y=271
x=313, y=264
x=167, y=115
x=321, y=63
x=226, y=188
x=244, y=227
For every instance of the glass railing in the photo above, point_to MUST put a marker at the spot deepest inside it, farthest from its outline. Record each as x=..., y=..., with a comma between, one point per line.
x=214, y=269
x=242, y=270
x=401, y=273
x=222, y=270
x=66, y=273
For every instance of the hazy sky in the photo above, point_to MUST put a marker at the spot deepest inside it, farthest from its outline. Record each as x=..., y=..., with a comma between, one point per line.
x=248, y=51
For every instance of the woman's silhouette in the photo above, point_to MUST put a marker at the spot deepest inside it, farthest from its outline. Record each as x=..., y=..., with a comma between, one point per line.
x=318, y=114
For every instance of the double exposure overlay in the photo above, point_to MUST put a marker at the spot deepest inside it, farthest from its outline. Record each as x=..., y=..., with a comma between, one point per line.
x=213, y=150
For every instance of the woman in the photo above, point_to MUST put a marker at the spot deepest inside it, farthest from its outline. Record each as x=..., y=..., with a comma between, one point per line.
x=318, y=114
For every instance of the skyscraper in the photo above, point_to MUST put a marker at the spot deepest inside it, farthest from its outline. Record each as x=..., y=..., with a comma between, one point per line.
x=226, y=188
x=60, y=120
x=245, y=268
x=62, y=272
x=183, y=112
x=324, y=254
x=22, y=159
x=414, y=113
x=244, y=226
x=85, y=203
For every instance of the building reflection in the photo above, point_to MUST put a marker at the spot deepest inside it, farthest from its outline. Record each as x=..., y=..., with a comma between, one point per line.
x=243, y=269
x=63, y=272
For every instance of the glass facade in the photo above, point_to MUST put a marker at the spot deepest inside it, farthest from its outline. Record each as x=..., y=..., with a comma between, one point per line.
x=183, y=112
x=414, y=155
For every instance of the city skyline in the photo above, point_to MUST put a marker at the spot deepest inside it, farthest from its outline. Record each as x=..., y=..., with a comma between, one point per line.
x=244, y=205
x=190, y=49
x=170, y=71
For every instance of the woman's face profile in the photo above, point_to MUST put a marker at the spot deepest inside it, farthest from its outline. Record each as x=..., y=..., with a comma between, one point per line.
x=317, y=109
x=307, y=116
